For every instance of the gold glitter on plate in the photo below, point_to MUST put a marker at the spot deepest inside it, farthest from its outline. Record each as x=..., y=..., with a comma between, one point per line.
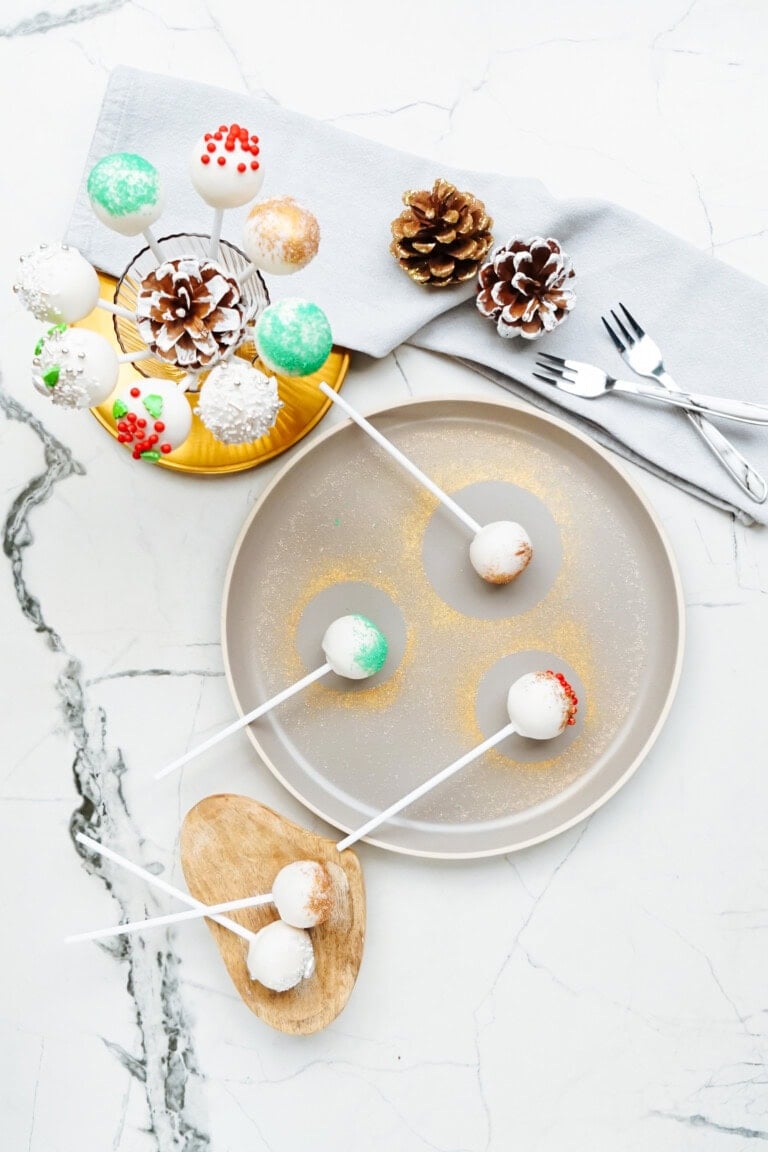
x=343, y=511
x=201, y=454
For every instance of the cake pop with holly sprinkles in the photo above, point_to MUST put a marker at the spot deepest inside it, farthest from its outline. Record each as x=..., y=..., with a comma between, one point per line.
x=153, y=418
x=225, y=167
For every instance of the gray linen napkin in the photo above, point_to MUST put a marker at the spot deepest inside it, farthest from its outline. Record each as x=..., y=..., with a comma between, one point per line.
x=711, y=321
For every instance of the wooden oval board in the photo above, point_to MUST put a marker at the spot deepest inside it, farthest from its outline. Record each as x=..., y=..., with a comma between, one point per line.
x=232, y=846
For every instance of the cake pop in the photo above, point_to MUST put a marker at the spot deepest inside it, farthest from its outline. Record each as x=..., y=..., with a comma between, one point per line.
x=225, y=168
x=293, y=337
x=280, y=236
x=126, y=193
x=303, y=893
x=57, y=284
x=280, y=956
x=74, y=368
x=238, y=404
x=153, y=418
x=540, y=705
x=354, y=648
x=498, y=552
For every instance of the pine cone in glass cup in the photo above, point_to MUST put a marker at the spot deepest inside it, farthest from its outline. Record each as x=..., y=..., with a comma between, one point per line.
x=522, y=287
x=190, y=312
x=442, y=236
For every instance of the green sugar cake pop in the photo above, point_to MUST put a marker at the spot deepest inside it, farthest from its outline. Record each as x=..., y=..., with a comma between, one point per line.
x=126, y=193
x=354, y=647
x=293, y=337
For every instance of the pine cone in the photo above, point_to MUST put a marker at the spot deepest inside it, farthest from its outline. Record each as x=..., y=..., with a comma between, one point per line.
x=189, y=312
x=442, y=236
x=522, y=287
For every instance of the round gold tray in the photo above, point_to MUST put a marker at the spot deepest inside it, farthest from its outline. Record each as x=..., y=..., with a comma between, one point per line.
x=201, y=454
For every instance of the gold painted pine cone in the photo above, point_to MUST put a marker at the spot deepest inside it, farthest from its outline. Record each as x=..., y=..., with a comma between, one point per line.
x=522, y=287
x=442, y=236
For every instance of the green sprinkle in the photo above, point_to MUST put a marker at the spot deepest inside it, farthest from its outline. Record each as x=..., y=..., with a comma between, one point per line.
x=124, y=183
x=150, y=455
x=39, y=346
x=57, y=328
x=154, y=405
x=119, y=409
x=372, y=646
x=51, y=377
x=337, y=522
x=294, y=337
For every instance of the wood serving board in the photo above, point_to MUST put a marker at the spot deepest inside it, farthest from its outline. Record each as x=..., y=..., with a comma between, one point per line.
x=232, y=846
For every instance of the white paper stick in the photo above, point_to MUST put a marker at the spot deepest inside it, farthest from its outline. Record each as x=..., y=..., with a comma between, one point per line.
x=427, y=786
x=156, y=249
x=246, y=274
x=171, y=918
x=241, y=723
x=116, y=310
x=218, y=216
x=403, y=460
x=163, y=885
x=134, y=357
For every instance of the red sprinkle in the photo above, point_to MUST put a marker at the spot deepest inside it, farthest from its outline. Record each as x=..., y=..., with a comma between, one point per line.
x=222, y=160
x=230, y=145
x=241, y=167
x=211, y=147
x=207, y=136
x=153, y=439
x=223, y=127
x=136, y=454
x=255, y=139
x=165, y=449
x=217, y=135
x=131, y=417
x=254, y=150
x=254, y=164
x=135, y=392
x=123, y=439
x=159, y=426
x=205, y=158
x=234, y=127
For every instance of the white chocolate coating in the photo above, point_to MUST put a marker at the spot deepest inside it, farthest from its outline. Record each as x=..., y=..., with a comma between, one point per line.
x=238, y=404
x=280, y=236
x=74, y=367
x=158, y=402
x=500, y=551
x=225, y=166
x=57, y=284
x=539, y=706
x=281, y=956
x=303, y=893
x=354, y=647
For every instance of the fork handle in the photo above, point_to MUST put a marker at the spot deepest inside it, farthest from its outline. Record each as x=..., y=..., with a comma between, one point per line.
x=747, y=478
x=741, y=410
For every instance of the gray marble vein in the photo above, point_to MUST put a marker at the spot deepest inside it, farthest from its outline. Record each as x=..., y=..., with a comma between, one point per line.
x=44, y=21
x=165, y=1062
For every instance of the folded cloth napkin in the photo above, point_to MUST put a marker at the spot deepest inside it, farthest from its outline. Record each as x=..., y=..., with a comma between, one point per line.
x=710, y=321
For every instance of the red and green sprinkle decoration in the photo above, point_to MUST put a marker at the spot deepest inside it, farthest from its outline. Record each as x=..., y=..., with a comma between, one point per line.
x=146, y=442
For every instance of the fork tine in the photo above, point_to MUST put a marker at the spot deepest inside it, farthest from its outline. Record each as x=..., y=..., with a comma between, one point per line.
x=549, y=356
x=553, y=369
x=637, y=329
x=616, y=342
x=627, y=335
x=546, y=379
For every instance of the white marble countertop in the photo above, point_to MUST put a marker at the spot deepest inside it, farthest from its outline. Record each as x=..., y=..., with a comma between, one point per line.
x=607, y=988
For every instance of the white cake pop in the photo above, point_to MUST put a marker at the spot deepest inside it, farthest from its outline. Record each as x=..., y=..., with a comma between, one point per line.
x=500, y=551
x=280, y=236
x=153, y=418
x=541, y=705
x=126, y=193
x=303, y=893
x=74, y=367
x=354, y=647
x=281, y=956
x=57, y=284
x=238, y=404
x=225, y=168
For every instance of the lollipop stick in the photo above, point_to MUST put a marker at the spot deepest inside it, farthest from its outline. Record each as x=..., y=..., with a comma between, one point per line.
x=116, y=310
x=218, y=216
x=134, y=357
x=241, y=723
x=172, y=918
x=396, y=454
x=162, y=885
x=156, y=249
x=427, y=786
x=246, y=274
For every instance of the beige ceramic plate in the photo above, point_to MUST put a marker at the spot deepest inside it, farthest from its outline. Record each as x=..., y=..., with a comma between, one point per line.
x=343, y=529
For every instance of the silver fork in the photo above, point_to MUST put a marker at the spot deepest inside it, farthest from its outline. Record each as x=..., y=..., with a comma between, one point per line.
x=590, y=382
x=643, y=355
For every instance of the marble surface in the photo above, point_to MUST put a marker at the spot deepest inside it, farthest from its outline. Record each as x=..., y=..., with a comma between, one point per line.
x=607, y=989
